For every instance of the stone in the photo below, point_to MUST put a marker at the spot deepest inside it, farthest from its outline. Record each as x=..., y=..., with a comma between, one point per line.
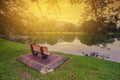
x=43, y=71
x=50, y=70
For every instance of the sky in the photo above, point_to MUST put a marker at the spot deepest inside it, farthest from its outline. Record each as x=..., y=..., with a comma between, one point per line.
x=66, y=12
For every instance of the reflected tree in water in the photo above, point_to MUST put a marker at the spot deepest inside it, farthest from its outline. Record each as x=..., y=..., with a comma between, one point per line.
x=52, y=39
x=95, y=39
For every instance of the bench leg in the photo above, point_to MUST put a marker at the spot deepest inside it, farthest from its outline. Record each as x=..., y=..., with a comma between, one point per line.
x=34, y=53
x=44, y=56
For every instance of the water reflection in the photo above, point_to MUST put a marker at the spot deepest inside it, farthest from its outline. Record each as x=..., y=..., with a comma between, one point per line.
x=52, y=39
x=95, y=39
x=95, y=46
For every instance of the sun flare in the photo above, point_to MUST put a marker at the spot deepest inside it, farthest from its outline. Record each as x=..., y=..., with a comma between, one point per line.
x=65, y=12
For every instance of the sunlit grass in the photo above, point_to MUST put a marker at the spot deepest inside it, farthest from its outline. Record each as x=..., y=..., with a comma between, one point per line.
x=59, y=33
x=76, y=68
x=80, y=33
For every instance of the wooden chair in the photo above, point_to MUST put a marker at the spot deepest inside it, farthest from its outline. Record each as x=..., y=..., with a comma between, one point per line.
x=36, y=49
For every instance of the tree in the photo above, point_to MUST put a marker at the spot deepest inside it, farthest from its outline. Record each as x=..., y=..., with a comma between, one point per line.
x=97, y=8
x=93, y=27
x=69, y=27
x=9, y=10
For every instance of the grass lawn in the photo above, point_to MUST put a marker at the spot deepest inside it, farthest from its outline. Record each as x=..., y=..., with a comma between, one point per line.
x=76, y=68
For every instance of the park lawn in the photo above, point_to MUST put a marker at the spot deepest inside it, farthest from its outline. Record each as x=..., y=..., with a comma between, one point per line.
x=76, y=68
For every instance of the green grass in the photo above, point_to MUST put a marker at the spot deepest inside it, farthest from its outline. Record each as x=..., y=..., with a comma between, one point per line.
x=76, y=68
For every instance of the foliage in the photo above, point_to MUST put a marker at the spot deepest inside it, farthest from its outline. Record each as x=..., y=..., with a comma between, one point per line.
x=44, y=25
x=13, y=17
x=112, y=27
x=93, y=27
x=16, y=19
x=104, y=10
x=94, y=8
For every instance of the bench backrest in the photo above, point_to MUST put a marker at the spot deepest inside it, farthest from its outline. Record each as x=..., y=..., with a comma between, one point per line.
x=35, y=48
x=45, y=49
x=40, y=49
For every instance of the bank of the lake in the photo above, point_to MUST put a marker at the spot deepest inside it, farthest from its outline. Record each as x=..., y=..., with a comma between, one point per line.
x=80, y=33
x=76, y=68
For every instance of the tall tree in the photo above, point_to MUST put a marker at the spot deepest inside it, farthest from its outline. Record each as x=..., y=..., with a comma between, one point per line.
x=97, y=8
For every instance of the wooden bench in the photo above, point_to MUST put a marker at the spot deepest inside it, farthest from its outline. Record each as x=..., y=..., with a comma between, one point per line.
x=36, y=49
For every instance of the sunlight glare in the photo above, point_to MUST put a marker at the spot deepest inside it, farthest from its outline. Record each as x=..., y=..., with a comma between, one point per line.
x=66, y=12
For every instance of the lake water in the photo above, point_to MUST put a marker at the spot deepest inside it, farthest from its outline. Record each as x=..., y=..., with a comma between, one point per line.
x=100, y=46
